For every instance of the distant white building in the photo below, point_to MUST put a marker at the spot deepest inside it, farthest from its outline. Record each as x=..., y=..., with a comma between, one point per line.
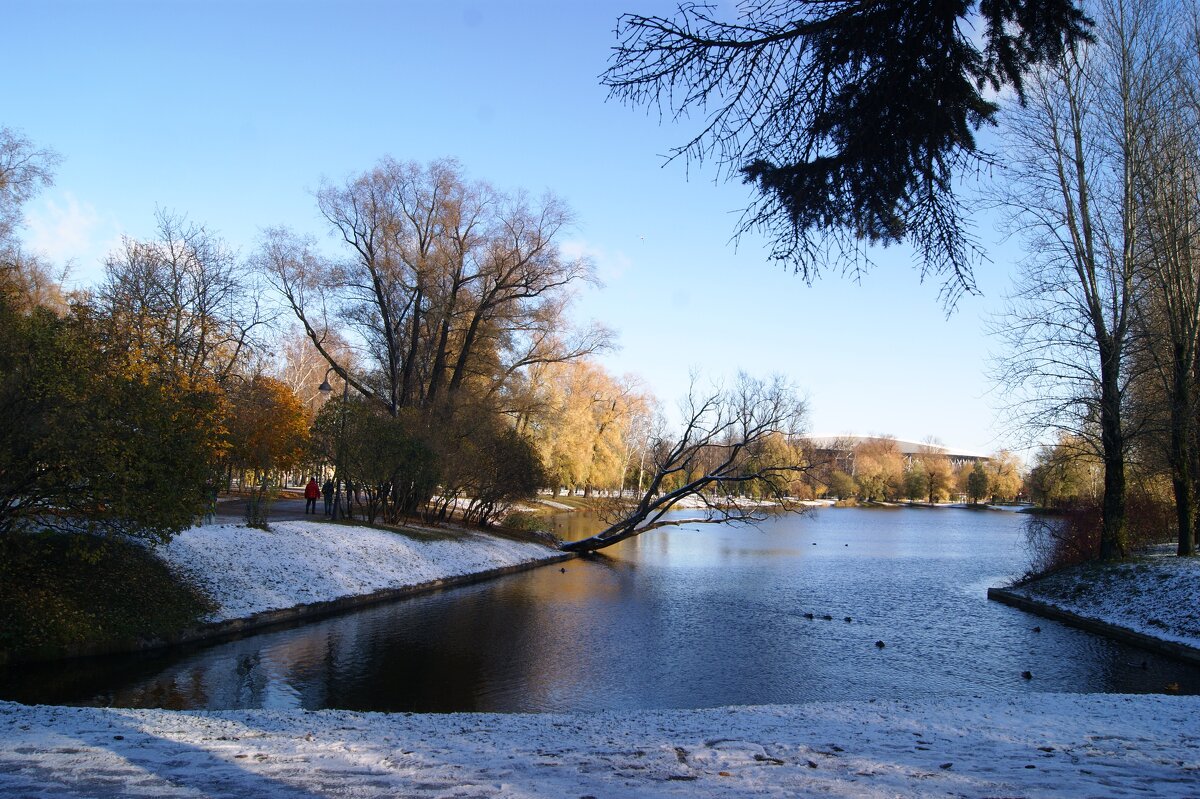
x=909, y=449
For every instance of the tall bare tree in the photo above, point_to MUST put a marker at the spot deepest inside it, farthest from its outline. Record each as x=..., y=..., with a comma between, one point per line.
x=24, y=170
x=1074, y=155
x=183, y=299
x=445, y=284
x=1168, y=193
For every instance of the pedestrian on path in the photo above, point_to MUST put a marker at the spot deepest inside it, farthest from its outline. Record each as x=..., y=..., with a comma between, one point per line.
x=327, y=492
x=311, y=492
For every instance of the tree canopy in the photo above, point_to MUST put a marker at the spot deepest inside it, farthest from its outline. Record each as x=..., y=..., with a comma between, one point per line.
x=852, y=118
x=92, y=439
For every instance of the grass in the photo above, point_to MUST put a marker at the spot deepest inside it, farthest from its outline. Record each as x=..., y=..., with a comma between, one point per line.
x=65, y=595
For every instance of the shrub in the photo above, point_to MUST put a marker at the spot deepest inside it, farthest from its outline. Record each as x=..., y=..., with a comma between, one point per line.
x=64, y=594
x=1056, y=541
x=523, y=521
x=258, y=505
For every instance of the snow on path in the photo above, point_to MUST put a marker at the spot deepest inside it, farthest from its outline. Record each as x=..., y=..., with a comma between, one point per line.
x=246, y=570
x=1063, y=745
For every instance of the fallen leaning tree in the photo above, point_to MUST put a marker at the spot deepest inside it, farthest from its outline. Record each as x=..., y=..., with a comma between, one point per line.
x=740, y=453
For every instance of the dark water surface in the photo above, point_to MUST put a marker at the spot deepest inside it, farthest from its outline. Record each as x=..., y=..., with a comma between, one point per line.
x=687, y=617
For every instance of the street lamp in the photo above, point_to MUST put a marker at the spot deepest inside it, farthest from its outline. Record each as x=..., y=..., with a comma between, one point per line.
x=327, y=389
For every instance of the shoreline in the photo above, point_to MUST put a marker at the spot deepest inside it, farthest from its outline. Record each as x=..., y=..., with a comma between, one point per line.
x=1179, y=651
x=229, y=629
x=299, y=571
x=233, y=628
x=1147, y=601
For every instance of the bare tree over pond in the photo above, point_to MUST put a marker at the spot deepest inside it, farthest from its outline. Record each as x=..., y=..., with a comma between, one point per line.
x=739, y=446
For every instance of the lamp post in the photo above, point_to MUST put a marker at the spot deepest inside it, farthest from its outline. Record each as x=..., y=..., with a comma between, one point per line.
x=327, y=389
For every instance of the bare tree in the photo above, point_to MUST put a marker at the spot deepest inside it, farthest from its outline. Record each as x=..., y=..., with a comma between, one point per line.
x=748, y=434
x=1074, y=152
x=1168, y=193
x=294, y=361
x=853, y=118
x=446, y=284
x=24, y=170
x=183, y=299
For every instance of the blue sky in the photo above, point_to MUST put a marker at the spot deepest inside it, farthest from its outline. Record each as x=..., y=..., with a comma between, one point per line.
x=233, y=112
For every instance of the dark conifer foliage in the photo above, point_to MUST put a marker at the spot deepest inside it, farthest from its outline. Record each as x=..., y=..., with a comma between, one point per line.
x=853, y=118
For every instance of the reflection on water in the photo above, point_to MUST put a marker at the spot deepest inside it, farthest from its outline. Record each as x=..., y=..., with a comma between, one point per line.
x=686, y=617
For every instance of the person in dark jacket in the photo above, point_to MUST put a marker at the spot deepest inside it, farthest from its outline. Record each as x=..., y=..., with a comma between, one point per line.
x=327, y=492
x=311, y=492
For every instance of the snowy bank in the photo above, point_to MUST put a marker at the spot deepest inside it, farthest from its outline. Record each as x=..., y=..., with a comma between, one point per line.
x=1155, y=596
x=248, y=571
x=1060, y=745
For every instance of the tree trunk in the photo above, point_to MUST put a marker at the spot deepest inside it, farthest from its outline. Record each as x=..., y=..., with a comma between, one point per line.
x=1180, y=456
x=1112, y=442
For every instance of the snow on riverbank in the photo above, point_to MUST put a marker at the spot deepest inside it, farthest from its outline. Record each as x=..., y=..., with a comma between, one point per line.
x=1156, y=595
x=1042, y=745
x=246, y=570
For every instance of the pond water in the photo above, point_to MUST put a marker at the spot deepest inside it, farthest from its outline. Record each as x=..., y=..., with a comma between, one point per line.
x=678, y=618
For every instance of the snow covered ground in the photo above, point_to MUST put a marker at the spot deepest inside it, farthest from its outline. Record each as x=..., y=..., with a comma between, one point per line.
x=1032, y=746
x=1036, y=745
x=1157, y=595
x=246, y=570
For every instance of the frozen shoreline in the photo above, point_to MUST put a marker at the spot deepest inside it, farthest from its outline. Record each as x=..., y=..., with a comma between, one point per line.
x=1156, y=595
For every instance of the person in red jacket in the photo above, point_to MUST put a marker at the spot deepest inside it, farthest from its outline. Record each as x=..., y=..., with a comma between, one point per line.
x=311, y=492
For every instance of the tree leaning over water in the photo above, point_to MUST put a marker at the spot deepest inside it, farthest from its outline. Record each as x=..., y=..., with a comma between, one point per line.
x=852, y=118
x=737, y=447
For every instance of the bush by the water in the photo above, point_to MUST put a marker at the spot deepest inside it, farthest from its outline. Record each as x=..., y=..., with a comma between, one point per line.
x=62, y=595
x=523, y=521
x=1071, y=536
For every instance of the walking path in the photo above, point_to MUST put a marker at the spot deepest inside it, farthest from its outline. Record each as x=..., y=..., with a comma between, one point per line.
x=231, y=510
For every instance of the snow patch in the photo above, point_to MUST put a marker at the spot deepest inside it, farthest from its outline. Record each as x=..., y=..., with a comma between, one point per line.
x=1156, y=595
x=246, y=570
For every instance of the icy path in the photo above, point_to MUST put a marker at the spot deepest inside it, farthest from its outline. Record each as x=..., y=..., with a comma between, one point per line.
x=1032, y=746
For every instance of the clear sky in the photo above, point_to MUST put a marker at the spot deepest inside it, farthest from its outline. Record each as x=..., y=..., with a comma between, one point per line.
x=233, y=113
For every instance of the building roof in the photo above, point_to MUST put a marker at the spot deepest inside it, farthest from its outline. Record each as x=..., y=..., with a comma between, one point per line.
x=905, y=447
